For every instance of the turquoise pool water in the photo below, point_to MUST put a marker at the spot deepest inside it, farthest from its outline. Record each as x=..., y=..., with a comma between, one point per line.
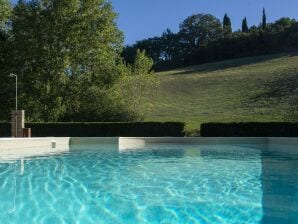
x=161, y=184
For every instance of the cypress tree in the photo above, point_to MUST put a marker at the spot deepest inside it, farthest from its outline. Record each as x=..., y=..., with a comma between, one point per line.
x=227, y=25
x=264, y=20
x=244, y=26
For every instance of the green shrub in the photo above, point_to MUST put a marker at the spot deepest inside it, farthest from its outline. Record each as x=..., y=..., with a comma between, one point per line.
x=250, y=129
x=102, y=129
x=5, y=129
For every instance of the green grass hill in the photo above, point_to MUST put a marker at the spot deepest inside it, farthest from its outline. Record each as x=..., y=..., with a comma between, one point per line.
x=263, y=88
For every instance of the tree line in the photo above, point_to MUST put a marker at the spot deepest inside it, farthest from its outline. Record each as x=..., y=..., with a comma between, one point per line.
x=204, y=38
x=67, y=56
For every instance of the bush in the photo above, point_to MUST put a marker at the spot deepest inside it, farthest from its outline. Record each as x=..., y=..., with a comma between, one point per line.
x=134, y=129
x=102, y=129
x=5, y=129
x=250, y=129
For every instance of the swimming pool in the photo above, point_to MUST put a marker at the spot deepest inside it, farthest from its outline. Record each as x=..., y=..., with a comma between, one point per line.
x=159, y=183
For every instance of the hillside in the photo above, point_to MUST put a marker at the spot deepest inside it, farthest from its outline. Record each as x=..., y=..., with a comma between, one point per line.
x=263, y=88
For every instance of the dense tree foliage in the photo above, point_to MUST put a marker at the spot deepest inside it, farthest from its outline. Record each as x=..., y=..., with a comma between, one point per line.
x=227, y=26
x=198, y=30
x=264, y=20
x=5, y=10
x=245, y=28
x=66, y=54
x=202, y=38
x=138, y=85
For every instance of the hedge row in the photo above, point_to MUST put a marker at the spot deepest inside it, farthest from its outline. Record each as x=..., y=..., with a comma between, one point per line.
x=5, y=129
x=102, y=129
x=250, y=129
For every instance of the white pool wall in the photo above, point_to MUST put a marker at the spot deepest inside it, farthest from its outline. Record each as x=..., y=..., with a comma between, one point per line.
x=41, y=146
x=95, y=143
x=11, y=148
x=137, y=143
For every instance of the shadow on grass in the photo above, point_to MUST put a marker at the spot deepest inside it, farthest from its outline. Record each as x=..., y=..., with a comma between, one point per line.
x=283, y=86
x=282, y=90
x=227, y=64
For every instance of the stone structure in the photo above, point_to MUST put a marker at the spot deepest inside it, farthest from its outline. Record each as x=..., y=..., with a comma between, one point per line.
x=17, y=123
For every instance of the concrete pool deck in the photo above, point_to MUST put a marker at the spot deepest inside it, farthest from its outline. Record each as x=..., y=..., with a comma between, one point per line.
x=11, y=148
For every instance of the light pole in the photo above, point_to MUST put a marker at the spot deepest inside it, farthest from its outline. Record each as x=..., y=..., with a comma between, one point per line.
x=16, y=112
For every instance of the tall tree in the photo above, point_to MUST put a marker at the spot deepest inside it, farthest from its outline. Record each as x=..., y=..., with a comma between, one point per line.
x=6, y=84
x=163, y=50
x=5, y=10
x=138, y=85
x=245, y=28
x=282, y=24
x=170, y=46
x=227, y=25
x=152, y=46
x=57, y=42
x=197, y=30
x=5, y=13
x=264, y=20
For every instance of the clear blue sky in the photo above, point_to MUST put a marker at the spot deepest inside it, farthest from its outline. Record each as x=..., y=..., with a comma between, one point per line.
x=140, y=19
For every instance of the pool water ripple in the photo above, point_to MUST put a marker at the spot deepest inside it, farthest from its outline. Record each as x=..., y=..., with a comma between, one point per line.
x=181, y=184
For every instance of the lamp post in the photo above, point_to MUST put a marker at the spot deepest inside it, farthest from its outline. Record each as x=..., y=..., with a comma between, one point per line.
x=16, y=112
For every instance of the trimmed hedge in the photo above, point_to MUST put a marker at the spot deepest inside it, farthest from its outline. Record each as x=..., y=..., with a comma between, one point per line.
x=5, y=129
x=103, y=129
x=250, y=129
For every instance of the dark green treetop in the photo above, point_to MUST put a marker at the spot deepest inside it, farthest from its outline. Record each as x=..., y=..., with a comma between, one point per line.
x=264, y=20
x=227, y=25
x=197, y=30
x=244, y=26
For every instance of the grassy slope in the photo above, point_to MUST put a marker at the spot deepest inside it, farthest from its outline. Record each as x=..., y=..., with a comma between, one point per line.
x=249, y=89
